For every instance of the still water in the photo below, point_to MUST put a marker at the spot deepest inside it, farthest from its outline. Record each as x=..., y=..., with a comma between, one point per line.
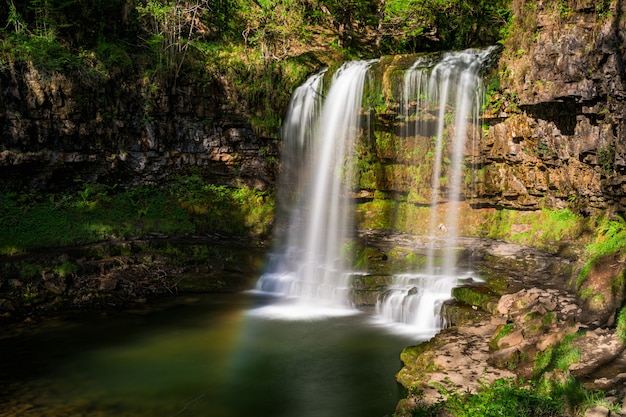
x=204, y=356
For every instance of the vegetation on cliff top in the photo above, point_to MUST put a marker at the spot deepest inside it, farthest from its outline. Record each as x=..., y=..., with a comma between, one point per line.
x=257, y=49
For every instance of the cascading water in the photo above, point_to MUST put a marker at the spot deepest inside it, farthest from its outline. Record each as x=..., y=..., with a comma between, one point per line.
x=309, y=265
x=451, y=91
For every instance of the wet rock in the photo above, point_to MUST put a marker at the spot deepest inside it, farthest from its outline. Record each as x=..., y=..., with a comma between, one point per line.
x=535, y=322
x=56, y=285
x=44, y=121
x=6, y=305
x=527, y=303
x=570, y=107
x=504, y=345
x=456, y=358
x=107, y=284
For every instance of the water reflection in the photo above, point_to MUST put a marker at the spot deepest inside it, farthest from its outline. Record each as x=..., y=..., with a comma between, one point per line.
x=208, y=356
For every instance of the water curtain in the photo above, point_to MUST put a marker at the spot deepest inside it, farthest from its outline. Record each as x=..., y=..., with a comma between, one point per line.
x=440, y=98
x=451, y=91
x=309, y=264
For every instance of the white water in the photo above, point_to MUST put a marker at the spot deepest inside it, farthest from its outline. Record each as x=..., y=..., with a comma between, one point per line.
x=309, y=270
x=415, y=301
x=451, y=91
x=309, y=266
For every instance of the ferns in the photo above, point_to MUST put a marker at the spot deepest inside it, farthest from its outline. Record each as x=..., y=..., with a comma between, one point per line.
x=611, y=240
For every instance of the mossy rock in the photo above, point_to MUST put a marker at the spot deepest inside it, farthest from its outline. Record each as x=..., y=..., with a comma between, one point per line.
x=458, y=314
x=501, y=331
x=418, y=363
x=479, y=296
x=364, y=298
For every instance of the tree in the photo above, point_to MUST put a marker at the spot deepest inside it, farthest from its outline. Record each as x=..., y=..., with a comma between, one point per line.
x=171, y=28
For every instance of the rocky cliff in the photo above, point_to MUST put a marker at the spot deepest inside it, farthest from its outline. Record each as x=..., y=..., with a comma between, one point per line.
x=59, y=128
x=551, y=133
x=556, y=135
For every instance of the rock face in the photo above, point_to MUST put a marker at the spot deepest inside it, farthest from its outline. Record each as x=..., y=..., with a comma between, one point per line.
x=555, y=138
x=518, y=339
x=552, y=136
x=56, y=129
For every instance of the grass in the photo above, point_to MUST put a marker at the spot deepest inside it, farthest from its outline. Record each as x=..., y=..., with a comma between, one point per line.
x=556, y=357
x=96, y=212
x=610, y=240
x=515, y=398
x=504, y=397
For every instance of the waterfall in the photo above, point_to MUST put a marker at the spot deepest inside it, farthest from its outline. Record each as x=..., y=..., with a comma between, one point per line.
x=440, y=101
x=318, y=136
x=451, y=91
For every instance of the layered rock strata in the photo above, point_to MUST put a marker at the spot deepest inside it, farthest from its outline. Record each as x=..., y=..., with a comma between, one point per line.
x=56, y=129
x=555, y=138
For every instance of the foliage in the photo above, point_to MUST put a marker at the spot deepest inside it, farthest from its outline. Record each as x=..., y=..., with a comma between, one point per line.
x=606, y=160
x=610, y=240
x=171, y=27
x=256, y=50
x=559, y=356
x=611, y=237
x=509, y=397
x=504, y=397
x=419, y=24
x=98, y=212
x=66, y=269
x=233, y=210
x=621, y=324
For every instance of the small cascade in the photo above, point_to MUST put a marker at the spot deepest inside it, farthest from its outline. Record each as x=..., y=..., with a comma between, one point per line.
x=441, y=100
x=416, y=300
x=318, y=135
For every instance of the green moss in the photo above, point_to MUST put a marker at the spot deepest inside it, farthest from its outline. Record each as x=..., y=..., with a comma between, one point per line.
x=621, y=324
x=500, y=332
x=559, y=356
x=610, y=241
x=475, y=296
x=66, y=269
x=97, y=212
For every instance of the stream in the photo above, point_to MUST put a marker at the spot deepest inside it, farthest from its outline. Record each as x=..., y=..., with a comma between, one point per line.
x=207, y=355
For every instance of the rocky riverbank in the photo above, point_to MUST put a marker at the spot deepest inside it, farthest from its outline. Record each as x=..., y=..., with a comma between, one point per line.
x=538, y=329
x=123, y=273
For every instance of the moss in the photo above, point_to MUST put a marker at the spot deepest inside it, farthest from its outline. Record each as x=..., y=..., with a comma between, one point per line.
x=559, y=356
x=418, y=362
x=459, y=314
x=500, y=332
x=480, y=297
x=621, y=324
x=98, y=212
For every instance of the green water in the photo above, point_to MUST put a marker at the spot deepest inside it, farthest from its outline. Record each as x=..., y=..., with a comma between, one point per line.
x=204, y=356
